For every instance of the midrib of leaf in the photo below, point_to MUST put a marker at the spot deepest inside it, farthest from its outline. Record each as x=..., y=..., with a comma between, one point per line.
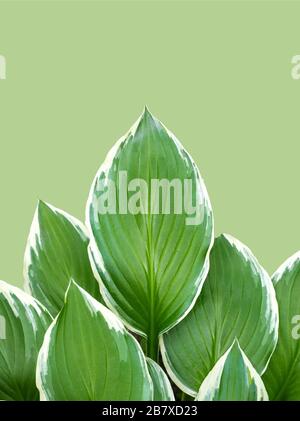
x=109, y=248
x=152, y=340
x=152, y=334
x=88, y=387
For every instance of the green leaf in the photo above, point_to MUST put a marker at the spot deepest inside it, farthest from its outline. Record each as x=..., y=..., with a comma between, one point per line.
x=56, y=252
x=282, y=377
x=162, y=387
x=152, y=263
x=237, y=301
x=88, y=355
x=23, y=323
x=233, y=378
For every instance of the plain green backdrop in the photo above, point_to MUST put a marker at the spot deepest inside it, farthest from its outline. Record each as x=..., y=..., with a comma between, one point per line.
x=218, y=74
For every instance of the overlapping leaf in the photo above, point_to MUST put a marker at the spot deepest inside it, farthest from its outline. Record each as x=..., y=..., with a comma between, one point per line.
x=88, y=355
x=233, y=378
x=282, y=377
x=56, y=252
x=23, y=323
x=237, y=301
x=162, y=387
x=152, y=263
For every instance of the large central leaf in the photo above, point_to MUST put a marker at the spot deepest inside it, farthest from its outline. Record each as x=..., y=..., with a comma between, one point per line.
x=237, y=301
x=150, y=247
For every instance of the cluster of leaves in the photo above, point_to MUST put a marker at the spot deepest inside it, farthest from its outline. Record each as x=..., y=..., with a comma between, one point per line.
x=201, y=312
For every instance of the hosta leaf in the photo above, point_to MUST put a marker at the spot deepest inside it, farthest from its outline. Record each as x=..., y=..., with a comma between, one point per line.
x=237, y=301
x=233, y=378
x=23, y=323
x=152, y=263
x=88, y=355
x=56, y=252
x=162, y=387
x=282, y=377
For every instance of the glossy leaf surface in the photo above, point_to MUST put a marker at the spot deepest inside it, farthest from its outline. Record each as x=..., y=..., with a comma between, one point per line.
x=57, y=252
x=23, y=323
x=161, y=384
x=282, y=377
x=237, y=301
x=152, y=263
x=233, y=378
x=88, y=355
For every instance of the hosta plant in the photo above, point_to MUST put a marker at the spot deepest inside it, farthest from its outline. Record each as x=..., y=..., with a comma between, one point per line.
x=140, y=302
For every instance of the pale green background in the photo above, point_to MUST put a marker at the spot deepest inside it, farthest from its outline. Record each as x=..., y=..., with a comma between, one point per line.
x=217, y=74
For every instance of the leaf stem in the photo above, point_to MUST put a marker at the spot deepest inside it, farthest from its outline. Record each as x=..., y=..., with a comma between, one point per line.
x=152, y=345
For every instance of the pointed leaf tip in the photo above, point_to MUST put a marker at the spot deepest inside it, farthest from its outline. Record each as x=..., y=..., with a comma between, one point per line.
x=147, y=116
x=48, y=263
x=73, y=286
x=147, y=111
x=90, y=336
x=233, y=378
x=235, y=347
x=42, y=205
